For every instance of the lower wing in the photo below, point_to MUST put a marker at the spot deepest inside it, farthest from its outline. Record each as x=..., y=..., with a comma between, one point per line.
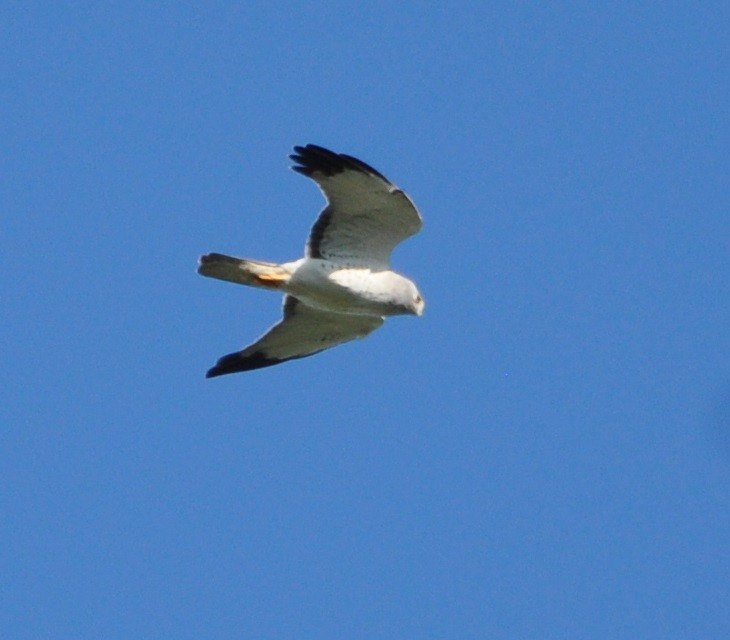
x=302, y=332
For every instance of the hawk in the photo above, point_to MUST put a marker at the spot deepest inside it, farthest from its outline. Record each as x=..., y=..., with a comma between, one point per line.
x=343, y=287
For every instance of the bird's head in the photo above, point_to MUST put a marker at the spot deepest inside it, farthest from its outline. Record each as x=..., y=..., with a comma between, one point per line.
x=400, y=295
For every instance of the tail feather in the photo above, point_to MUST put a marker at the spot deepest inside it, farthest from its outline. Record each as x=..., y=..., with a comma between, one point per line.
x=250, y=272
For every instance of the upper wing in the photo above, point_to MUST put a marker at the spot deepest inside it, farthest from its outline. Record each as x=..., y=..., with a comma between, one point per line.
x=303, y=332
x=366, y=215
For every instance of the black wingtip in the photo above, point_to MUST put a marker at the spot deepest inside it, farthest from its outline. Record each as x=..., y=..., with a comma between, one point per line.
x=215, y=371
x=236, y=363
x=312, y=158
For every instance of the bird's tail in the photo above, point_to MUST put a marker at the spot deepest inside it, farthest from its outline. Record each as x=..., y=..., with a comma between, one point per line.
x=266, y=275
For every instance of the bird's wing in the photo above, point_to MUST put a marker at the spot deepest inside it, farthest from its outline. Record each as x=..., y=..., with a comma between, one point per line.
x=366, y=215
x=303, y=332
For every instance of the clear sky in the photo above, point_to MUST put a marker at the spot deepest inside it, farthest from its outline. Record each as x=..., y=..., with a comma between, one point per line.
x=545, y=454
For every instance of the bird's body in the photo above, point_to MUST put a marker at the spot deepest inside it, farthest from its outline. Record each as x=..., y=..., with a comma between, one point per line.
x=343, y=288
x=354, y=290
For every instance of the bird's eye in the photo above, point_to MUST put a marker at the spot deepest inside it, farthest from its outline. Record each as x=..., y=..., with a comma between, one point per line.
x=419, y=299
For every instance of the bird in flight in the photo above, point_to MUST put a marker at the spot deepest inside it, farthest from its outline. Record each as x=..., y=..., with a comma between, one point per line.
x=343, y=287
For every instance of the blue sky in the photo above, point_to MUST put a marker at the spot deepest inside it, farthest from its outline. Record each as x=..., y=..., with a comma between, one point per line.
x=545, y=454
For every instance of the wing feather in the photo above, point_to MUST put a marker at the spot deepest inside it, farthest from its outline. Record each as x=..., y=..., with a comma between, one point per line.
x=302, y=332
x=366, y=215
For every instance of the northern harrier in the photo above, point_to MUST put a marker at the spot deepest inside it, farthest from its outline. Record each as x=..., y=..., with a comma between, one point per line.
x=343, y=287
